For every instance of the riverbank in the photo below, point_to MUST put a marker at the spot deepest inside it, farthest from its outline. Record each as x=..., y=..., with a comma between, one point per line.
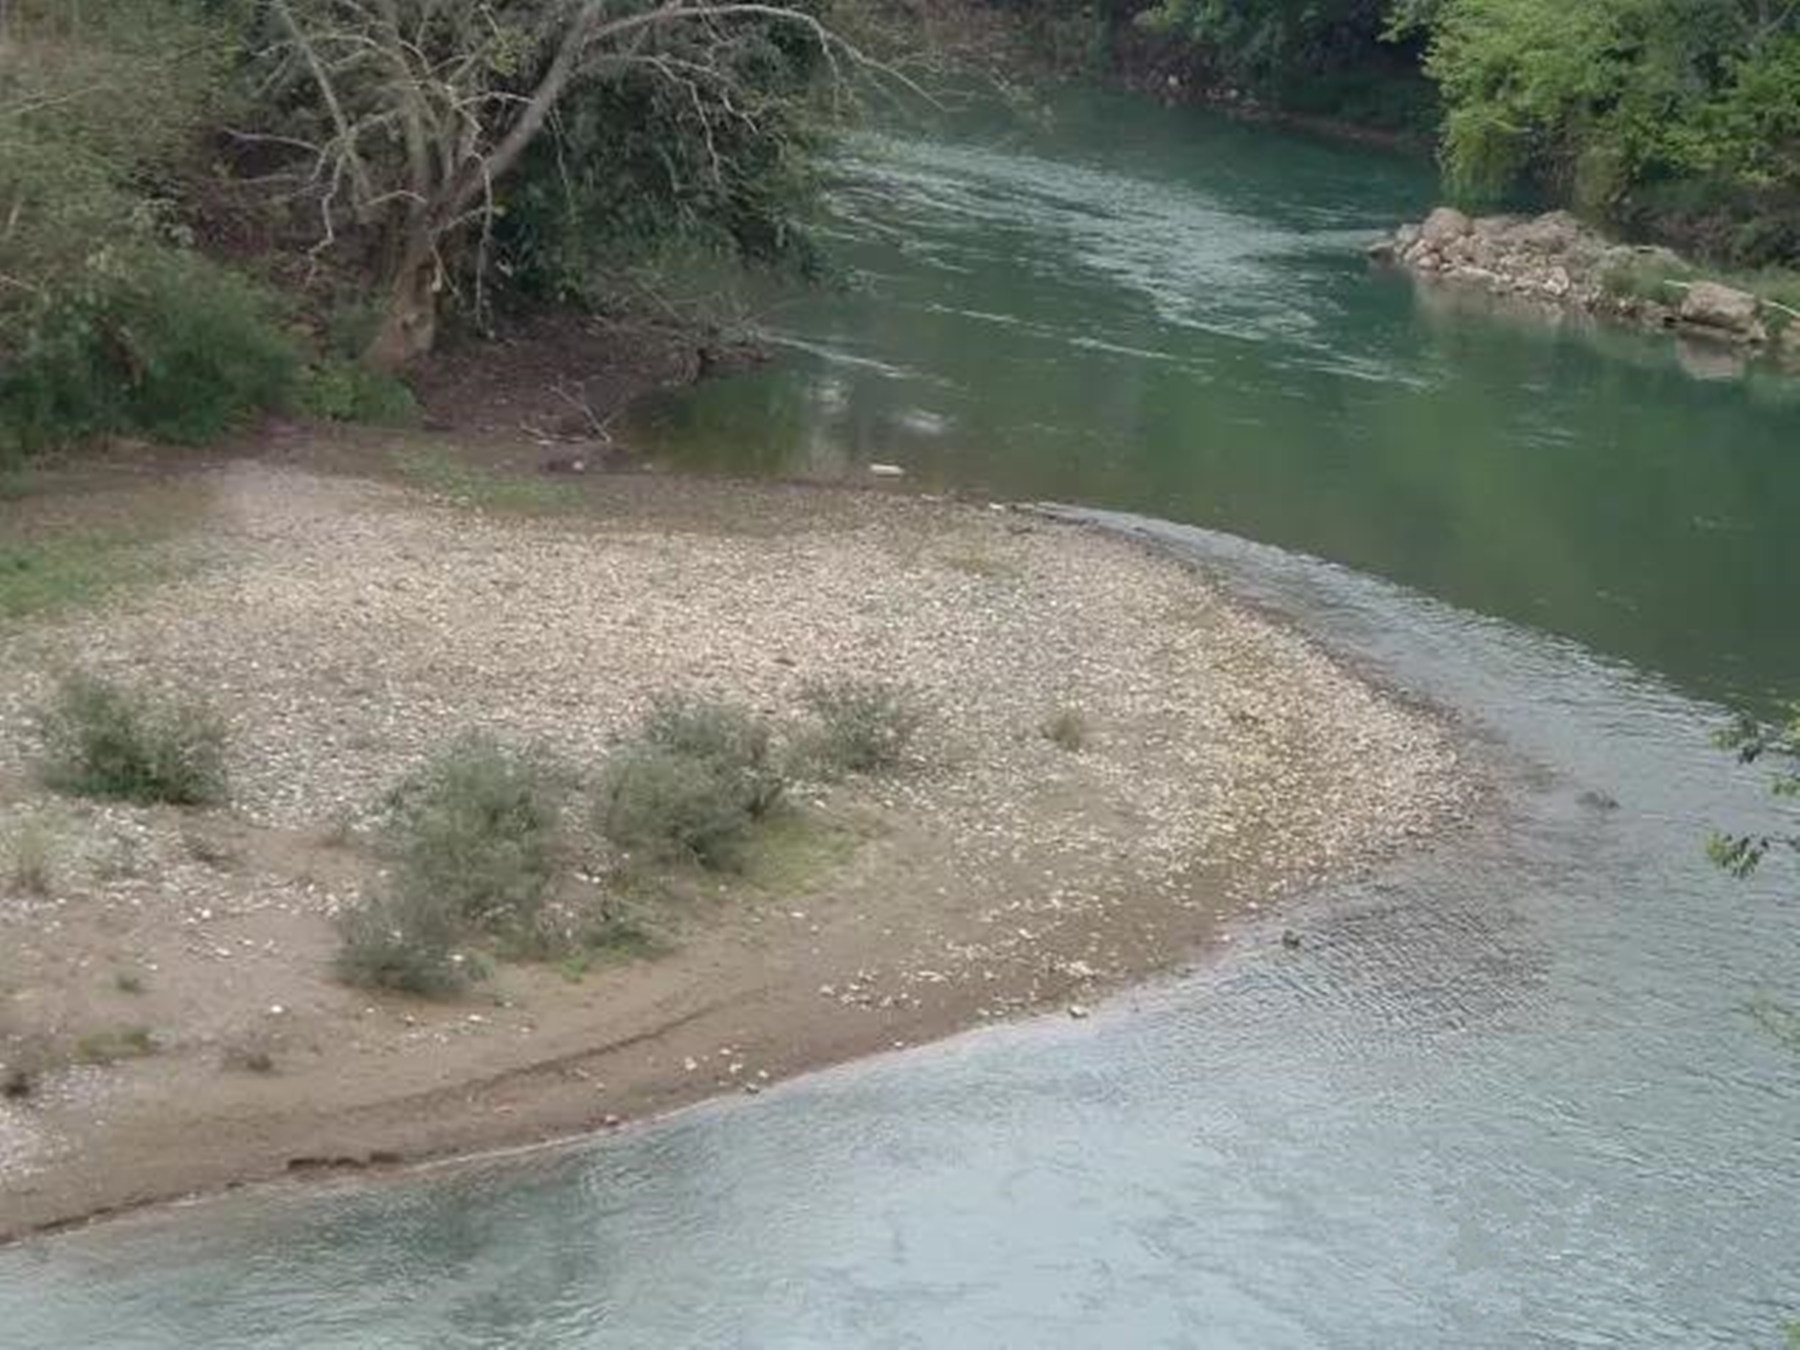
x=348, y=626
x=1556, y=262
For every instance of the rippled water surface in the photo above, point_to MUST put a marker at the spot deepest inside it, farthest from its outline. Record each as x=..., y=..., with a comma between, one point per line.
x=1505, y=1095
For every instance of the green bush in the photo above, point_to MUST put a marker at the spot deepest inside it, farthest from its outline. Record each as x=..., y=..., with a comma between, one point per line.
x=340, y=390
x=155, y=341
x=477, y=830
x=734, y=742
x=865, y=725
x=669, y=807
x=404, y=941
x=102, y=740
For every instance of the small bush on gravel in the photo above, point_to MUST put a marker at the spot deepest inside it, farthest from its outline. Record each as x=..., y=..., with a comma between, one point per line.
x=693, y=787
x=864, y=725
x=478, y=830
x=1067, y=728
x=476, y=839
x=732, y=740
x=405, y=941
x=102, y=740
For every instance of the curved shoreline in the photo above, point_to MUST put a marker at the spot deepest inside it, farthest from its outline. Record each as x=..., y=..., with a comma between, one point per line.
x=825, y=963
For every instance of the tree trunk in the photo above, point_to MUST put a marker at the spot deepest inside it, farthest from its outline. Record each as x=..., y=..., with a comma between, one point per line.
x=409, y=319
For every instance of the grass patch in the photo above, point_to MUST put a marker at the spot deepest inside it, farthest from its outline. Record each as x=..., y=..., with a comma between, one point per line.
x=864, y=726
x=114, y=1045
x=338, y=389
x=795, y=848
x=103, y=740
x=47, y=574
x=31, y=858
x=1653, y=279
x=983, y=565
x=469, y=485
x=1067, y=728
x=693, y=787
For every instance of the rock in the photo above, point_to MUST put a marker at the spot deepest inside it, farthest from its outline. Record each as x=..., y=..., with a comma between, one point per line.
x=887, y=471
x=1553, y=232
x=1077, y=1011
x=1710, y=305
x=1405, y=237
x=1290, y=939
x=1443, y=225
x=1382, y=250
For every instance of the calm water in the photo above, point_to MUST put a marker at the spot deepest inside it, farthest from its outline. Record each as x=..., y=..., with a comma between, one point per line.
x=1505, y=1096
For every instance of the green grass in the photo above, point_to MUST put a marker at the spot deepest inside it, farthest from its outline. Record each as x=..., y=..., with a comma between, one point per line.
x=40, y=576
x=107, y=741
x=31, y=857
x=470, y=485
x=113, y=1045
x=1649, y=279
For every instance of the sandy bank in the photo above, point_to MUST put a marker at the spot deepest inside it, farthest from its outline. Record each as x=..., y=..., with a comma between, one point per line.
x=348, y=627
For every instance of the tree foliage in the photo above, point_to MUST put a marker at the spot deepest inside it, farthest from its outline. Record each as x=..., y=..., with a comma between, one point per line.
x=1627, y=108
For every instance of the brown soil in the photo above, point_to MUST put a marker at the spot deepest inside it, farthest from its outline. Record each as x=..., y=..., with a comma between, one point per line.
x=348, y=626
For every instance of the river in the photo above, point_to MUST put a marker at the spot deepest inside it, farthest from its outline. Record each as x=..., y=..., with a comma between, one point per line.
x=1507, y=1094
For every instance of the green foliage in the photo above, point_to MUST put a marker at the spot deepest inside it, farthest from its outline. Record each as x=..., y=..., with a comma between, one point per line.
x=154, y=341
x=693, y=787
x=1320, y=57
x=102, y=740
x=865, y=726
x=1753, y=741
x=114, y=1044
x=340, y=390
x=475, y=838
x=108, y=321
x=1654, y=279
x=477, y=831
x=405, y=941
x=647, y=178
x=1625, y=108
x=734, y=742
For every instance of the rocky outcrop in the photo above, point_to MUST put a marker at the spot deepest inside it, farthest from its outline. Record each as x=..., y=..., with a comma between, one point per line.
x=1554, y=259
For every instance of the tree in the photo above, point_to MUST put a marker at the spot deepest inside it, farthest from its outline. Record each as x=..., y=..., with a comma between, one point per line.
x=401, y=122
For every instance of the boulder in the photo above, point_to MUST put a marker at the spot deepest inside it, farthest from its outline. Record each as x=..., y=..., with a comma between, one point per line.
x=1710, y=305
x=1553, y=232
x=1443, y=225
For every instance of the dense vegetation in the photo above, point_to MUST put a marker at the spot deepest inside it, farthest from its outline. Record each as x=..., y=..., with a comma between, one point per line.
x=210, y=207
x=1675, y=119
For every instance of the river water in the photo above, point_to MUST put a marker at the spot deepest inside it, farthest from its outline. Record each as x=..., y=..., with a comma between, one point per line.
x=1507, y=1093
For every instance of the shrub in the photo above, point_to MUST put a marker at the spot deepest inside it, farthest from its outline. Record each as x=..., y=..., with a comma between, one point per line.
x=341, y=390
x=32, y=858
x=672, y=807
x=404, y=941
x=1067, y=728
x=155, y=341
x=732, y=740
x=694, y=786
x=102, y=740
x=477, y=830
x=1653, y=279
x=865, y=725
